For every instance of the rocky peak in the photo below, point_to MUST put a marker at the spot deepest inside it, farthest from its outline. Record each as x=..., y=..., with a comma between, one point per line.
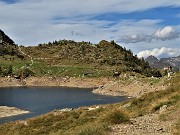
x=152, y=59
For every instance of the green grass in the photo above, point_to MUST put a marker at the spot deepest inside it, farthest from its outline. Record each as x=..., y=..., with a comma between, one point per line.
x=41, y=68
x=93, y=129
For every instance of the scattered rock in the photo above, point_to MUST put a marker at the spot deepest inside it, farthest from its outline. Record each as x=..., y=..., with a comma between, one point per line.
x=66, y=109
x=145, y=125
x=121, y=88
x=163, y=109
x=93, y=108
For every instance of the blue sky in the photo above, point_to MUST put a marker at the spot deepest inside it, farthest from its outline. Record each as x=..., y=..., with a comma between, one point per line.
x=167, y=14
x=145, y=27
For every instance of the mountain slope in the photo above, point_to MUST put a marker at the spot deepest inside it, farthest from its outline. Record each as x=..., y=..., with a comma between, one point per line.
x=173, y=61
x=104, y=54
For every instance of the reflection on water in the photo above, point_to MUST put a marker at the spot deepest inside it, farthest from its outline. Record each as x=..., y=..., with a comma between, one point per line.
x=40, y=100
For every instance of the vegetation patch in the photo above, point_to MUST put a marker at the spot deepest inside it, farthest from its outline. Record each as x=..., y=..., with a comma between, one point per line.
x=116, y=116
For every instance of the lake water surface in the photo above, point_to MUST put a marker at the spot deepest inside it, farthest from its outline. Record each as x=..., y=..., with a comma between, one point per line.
x=40, y=100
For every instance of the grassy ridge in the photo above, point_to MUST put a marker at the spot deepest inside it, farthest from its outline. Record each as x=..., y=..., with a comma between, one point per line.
x=78, y=59
x=104, y=53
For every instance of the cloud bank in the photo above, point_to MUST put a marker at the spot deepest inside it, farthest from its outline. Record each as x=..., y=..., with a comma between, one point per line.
x=160, y=52
x=166, y=33
x=30, y=22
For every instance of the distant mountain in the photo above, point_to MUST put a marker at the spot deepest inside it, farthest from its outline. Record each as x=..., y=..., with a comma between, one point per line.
x=173, y=61
x=152, y=60
x=164, y=62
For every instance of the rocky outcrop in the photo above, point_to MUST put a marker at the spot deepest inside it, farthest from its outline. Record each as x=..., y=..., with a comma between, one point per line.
x=152, y=60
x=7, y=45
x=4, y=39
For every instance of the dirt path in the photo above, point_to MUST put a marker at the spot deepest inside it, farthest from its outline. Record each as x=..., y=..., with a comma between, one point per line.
x=32, y=61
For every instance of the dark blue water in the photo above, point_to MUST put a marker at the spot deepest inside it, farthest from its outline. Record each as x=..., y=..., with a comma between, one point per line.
x=40, y=100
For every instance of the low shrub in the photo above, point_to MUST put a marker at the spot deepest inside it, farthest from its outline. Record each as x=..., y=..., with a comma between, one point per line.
x=94, y=130
x=116, y=117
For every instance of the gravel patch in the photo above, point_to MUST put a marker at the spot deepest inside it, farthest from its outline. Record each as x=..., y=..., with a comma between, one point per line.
x=145, y=125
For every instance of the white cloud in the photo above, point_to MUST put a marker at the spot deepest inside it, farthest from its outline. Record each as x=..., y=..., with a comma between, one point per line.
x=166, y=33
x=132, y=31
x=82, y=7
x=160, y=52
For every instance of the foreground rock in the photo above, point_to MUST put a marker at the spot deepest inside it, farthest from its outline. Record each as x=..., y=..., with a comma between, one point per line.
x=10, y=111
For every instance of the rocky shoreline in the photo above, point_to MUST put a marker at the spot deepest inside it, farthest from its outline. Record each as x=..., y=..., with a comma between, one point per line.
x=52, y=81
x=103, y=86
x=6, y=111
x=133, y=89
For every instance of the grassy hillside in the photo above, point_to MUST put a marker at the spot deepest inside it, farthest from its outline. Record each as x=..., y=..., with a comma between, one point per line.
x=69, y=58
x=77, y=53
x=78, y=59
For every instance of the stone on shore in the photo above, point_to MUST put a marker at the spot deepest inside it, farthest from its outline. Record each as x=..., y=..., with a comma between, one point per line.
x=6, y=111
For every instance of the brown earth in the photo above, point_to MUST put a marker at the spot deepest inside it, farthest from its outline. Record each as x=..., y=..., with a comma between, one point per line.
x=133, y=89
x=50, y=81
